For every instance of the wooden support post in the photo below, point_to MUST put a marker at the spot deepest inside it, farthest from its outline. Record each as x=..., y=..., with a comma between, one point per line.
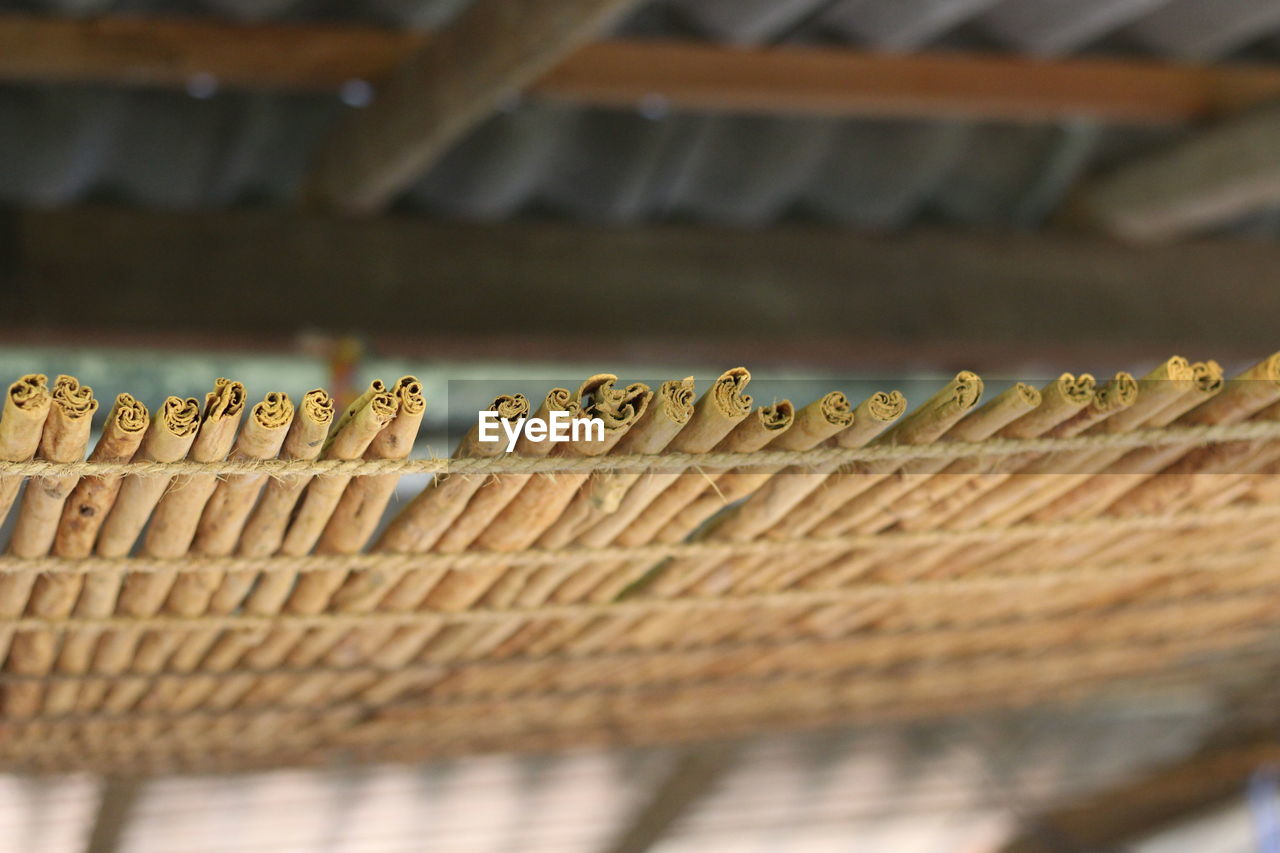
x=1221, y=173
x=1156, y=800
x=492, y=52
x=693, y=776
x=119, y=794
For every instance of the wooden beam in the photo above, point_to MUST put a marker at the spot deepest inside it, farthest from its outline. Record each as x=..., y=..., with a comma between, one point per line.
x=115, y=806
x=492, y=51
x=1156, y=800
x=167, y=52
x=1220, y=174
x=692, y=777
x=790, y=295
x=842, y=82
x=304, y=57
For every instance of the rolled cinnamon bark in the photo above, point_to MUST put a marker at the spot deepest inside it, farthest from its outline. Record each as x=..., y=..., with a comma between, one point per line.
x=354, y=519
x=362, y=591
x=531, y=512
x=63, y=439
x=349, y=441
x=761, y=430
x=87, y=506
x=365, y=419
x=26, y=406
x=767, y=506
x=264, y=531
x=418, y=526
x=716, y=413
x=446, y=520
x=963, y=479
x=169, y=535
x=219, y=529
x=871, y=417
x=1037, y=483
x=228, y=509
x=1061, y=402
x=519, y=523
x=814, y=424
x=55, y=595
x=874, y=507
x=358, y=512
x=928, y=422
x=168, y=439
x=360, y=506
x=604, y=491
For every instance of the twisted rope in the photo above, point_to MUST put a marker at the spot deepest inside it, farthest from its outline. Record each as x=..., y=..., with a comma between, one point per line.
x=1259, y=563
x=941, y=633
x=667, y=462
x=476, y=560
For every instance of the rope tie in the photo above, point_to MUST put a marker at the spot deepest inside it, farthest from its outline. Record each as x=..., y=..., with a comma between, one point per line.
x=1260, y=563
x=476, y=560
x=666, y=462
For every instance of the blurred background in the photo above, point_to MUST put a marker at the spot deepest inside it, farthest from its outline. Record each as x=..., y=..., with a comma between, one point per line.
x=836, y=193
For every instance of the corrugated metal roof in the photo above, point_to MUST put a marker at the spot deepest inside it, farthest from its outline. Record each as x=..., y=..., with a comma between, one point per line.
x=65, y=144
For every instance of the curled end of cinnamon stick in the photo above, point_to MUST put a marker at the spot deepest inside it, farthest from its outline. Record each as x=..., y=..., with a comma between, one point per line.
x=1177, y=369
x=510, y=406
x=872, y=416
x=1028, y=394
x=275, y=411
x=1120, y=393
x=30, y=393
x=729, y=392
x=180, y=417
x=1077, y=389
x=408, y=392
x=73, y=400
x=777, y=417
x=226, y=400
x=676, y=397
x=129, y=416
x=1207, y=376
x=317, y=406
x=383, y=407
x=882, y=406
x=836, y=409
x=967, y=389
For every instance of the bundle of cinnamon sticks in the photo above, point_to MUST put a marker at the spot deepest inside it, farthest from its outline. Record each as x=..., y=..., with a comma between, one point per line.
x=178, y=615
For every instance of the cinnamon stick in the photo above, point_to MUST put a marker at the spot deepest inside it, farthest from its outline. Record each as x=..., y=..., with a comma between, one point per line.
x=83, y=513
x=26, y=405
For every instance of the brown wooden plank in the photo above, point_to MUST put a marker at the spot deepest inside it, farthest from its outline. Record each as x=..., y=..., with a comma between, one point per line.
x=493, y=50
x=795, y=295
x=838, y=81
x=1177, y=791
x=168, y=52
x=115, y=808
x=693, y=775
x=1222, y=173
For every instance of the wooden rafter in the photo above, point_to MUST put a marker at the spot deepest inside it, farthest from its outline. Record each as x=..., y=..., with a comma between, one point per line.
x=846, y=297
x=494, y=49
x=303, y=57
x=1175, y=792
x=1220, y=174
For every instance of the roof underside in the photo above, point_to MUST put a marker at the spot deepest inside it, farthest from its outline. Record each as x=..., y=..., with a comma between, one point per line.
x=67, y=144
